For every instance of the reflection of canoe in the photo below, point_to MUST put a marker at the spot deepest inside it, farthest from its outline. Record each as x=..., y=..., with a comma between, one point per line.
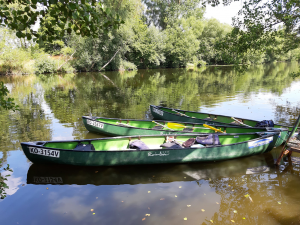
x=163, y=113
x=60, y=174
x=115, y=150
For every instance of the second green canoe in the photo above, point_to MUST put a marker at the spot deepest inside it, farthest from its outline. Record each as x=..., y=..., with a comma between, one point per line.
x=164, y=113
x=129, y=127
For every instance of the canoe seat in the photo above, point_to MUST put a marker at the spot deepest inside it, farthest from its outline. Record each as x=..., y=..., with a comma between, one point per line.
x=208, y=119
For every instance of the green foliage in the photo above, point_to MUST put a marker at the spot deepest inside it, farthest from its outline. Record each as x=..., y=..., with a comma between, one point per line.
x=6, y=103
x=78, y=16
x=182, y=43
x=14, y=59
x=125, y=65
x=3, y=185
x=256, y=30
x=45, y=64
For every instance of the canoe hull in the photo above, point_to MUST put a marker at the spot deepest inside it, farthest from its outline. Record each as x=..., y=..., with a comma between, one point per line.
x=152, y=156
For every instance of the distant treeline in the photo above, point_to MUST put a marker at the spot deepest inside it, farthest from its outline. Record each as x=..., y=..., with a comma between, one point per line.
x=156, y=34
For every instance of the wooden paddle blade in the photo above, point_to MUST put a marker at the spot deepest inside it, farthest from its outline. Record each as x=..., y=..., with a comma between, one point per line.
x=175, y=125
x=213, y=128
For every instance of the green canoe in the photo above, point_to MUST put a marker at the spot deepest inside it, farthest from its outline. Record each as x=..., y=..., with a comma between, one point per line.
x=115, y=151
x=164, y=113
x=131, y=127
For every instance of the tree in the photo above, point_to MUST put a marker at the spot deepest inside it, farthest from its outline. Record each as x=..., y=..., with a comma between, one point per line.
x=79, y=16
x=259, y=25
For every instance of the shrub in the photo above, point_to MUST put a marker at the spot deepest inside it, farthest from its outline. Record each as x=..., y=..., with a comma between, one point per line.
x=44, y=64
x=125, y=65
x=16, y=61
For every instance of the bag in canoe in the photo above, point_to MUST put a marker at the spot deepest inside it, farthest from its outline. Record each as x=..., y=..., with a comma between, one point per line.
x=211, y=139
x=265, y=123
x=138, y=144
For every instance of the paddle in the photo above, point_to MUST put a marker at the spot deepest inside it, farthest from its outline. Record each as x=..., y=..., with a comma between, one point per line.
x=177, y=125
x=213, y=128
x=161, y=125
x=240, y=122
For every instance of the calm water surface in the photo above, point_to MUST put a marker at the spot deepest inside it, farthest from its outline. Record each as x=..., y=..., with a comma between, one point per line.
x=242, y=191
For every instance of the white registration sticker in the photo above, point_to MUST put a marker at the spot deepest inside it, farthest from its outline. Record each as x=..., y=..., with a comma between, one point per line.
x=157, y=111
x=95, y=123
x=44, y=152
x=253, y=144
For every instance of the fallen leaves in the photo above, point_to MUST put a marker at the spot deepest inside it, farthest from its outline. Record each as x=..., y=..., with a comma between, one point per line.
x=248, y=196
x=47, y=188
x=147, y=214
x=279, y=203
x=202, y=210
x=92, y=210
x=180, y=187
x=232, y=221
x=234, y=211
x=184, y=218
x=217, y=203
x=188, y=205
x=175, y=196
x=143, y=219
x=149, y=191
x=211, y=221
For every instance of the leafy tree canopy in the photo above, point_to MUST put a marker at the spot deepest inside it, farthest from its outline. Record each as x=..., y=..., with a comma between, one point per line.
x=261, y=21
x=80, y=16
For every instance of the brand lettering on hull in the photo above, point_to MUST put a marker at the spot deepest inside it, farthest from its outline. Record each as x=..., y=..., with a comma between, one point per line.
x=161, y=153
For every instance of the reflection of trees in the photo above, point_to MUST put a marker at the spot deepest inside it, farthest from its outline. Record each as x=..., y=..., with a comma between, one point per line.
x=286, y=115
x=271, y=192
x=128, y=94
x=28, y=124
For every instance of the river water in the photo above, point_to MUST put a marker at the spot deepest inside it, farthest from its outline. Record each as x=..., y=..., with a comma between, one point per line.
x=241, y=191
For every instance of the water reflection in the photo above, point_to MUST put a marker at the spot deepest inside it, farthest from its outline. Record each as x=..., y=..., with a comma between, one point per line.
x=247, y=191
x=51, y=109
x=58, y=174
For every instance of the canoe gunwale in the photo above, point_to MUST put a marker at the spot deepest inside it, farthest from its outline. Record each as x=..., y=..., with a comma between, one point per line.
x=32, y=144
x=159, y=107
